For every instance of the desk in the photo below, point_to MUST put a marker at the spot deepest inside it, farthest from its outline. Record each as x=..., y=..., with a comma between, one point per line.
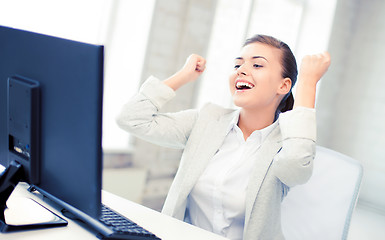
x=165, y=227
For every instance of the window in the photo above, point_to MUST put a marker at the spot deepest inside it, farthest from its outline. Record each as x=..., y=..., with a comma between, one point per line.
x=125, y=40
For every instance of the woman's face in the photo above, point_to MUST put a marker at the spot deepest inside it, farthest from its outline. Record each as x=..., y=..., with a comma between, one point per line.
x=256, y=81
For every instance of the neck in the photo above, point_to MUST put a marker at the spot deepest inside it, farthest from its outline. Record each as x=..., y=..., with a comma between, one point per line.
x=251, y=120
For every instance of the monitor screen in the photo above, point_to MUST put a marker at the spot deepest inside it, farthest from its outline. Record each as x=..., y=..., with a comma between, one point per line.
x=69, y=77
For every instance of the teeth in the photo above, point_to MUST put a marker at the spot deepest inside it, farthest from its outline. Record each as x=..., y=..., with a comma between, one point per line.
x=243, y=85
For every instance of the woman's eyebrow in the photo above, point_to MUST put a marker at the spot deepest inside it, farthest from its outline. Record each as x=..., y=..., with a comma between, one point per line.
x=254, y=57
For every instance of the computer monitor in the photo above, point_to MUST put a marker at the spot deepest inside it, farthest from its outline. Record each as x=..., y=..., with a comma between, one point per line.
x=54, y=89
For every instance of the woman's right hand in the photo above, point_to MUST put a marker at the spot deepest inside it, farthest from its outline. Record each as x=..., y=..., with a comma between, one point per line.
x=192, y=69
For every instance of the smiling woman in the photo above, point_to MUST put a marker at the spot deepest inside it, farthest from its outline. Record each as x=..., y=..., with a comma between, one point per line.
x=276, y=60
x=274, y=150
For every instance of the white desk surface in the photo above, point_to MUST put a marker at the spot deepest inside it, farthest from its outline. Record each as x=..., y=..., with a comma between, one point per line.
x=165, y=227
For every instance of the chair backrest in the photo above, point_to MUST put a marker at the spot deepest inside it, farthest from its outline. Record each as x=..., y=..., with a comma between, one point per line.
x=322, y=208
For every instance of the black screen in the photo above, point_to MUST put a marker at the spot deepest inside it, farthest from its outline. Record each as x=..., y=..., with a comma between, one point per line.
x=70, y=75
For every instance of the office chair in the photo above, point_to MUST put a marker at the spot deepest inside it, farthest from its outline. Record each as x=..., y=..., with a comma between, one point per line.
x=322, y=208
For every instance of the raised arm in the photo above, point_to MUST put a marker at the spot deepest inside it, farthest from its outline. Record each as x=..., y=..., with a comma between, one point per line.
x=141, y=116
x=313, y=67
x=193, y=68
x=294, y=163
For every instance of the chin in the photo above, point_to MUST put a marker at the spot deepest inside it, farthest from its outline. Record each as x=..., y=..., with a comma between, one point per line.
x=239, y=102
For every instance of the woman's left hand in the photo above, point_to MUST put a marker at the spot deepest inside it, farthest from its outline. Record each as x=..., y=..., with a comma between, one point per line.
x=313, y=67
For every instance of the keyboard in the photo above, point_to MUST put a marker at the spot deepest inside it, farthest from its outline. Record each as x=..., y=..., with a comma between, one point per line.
x=122, y=227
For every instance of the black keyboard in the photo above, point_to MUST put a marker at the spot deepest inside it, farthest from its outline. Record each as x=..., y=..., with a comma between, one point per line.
x=122, y=227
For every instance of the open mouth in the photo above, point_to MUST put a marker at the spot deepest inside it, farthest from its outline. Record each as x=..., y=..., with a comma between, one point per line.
x=241, y=85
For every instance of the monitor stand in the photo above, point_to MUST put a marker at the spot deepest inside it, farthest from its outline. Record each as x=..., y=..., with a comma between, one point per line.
x=22, y=213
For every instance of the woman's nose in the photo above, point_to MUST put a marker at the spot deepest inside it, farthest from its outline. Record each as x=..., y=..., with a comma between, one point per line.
x=241, y=70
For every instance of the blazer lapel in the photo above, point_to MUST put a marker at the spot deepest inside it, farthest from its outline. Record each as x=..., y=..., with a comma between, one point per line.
x=212, y=138
x=264, y=159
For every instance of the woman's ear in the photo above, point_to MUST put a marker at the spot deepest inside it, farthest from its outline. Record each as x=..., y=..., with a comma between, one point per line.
x=285, y=86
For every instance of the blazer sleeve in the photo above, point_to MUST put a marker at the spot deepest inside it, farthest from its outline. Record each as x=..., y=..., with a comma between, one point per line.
x=141, y=116
x=293, y=164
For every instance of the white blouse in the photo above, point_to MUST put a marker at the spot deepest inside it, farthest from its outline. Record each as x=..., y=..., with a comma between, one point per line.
x=217, y=202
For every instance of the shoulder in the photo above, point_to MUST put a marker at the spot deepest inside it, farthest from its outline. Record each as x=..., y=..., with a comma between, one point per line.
x=214, y=111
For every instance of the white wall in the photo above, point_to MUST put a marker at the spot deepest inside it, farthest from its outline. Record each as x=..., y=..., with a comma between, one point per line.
x=351, y=106
x=125, y=39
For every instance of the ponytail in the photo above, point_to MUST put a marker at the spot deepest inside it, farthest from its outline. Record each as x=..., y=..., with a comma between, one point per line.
x=287, y=103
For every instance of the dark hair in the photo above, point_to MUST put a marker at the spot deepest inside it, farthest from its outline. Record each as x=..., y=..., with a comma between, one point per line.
x=289, y=65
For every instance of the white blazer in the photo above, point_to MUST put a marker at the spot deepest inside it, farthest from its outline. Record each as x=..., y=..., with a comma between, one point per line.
x=285, y=158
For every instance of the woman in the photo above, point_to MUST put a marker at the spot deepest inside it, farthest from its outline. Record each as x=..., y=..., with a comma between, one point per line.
x=237, y=165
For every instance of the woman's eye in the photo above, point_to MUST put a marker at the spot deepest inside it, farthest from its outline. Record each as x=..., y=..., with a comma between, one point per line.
x=257, y=65
x=237, y=66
